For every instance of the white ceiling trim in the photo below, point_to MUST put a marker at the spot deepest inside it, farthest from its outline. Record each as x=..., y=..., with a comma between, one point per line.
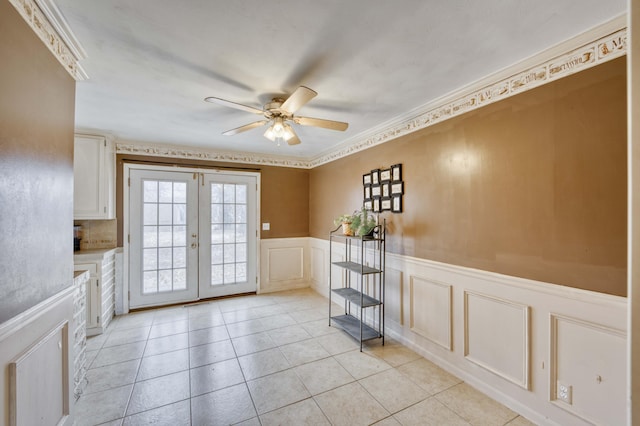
x=598, y=45
x=45, y=19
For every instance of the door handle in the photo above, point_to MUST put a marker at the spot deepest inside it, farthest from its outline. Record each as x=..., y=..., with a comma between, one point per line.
x=194, y=235
x=194, y=245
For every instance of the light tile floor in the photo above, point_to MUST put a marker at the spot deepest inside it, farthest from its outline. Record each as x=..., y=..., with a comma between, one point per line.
x=266, y=360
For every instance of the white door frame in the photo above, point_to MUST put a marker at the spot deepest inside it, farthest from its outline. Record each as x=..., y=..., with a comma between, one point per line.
x=126, y=222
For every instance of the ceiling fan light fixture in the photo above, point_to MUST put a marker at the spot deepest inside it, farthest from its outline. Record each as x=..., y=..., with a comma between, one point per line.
x=279, y=131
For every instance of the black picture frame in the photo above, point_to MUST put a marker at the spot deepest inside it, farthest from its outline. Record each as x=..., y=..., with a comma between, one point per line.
x=397, y=188
x=375, y=176
x=366, y=179
x=376, y=191
x=386, y=189
x=376, y=205
x=396, y=204
x=366, y=192
x=385, y=175
x=368, y=204
x=385, y=204
x=396, y=173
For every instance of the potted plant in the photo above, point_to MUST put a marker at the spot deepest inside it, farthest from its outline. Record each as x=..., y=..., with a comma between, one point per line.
x=359, y=223
x=363, y=223
x=345, y=220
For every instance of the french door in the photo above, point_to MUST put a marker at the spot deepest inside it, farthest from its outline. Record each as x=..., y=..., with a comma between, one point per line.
x=192, y=235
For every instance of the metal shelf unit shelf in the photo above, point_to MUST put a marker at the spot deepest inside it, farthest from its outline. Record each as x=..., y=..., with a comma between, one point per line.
x=362, y=284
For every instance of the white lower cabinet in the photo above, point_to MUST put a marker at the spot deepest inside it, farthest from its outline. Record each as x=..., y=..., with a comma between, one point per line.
x=100, y=287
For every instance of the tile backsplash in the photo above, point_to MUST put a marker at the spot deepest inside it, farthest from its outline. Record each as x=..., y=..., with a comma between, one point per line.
x=98, y=234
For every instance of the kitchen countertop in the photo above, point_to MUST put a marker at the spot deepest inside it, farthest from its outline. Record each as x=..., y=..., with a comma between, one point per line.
x=92, y=254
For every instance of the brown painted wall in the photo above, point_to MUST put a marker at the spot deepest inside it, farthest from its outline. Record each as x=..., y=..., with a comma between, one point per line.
x=284, y=194
x=37, y=99
x=533, y=186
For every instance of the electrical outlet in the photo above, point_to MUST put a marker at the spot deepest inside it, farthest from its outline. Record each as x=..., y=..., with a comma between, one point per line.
x=564, y=392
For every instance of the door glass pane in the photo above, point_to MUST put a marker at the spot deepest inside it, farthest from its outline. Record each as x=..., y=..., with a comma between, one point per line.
x=164, y=236
x=228, y=233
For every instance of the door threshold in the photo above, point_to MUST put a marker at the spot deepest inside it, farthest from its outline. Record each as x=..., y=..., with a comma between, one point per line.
x=194, y=303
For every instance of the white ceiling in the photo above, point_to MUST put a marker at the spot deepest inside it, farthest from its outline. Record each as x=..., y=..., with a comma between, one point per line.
x=152, y=62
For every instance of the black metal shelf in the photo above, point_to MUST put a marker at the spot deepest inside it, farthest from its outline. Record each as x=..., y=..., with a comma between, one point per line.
x=357, y=267
x=356, y=297
x=354, y=286
x=351, y=325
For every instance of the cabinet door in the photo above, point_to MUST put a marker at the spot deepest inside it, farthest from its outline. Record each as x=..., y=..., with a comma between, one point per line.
x=91, y=304
x=93, y=171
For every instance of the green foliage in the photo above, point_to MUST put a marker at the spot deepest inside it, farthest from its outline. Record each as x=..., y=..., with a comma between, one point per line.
x=361, y=221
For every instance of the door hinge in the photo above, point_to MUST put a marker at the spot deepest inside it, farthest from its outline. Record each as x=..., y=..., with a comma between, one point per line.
x=129, y=295
x=104, y=209
x=97, y=283
x=256, y=280
x=98, y=319
x=129, y=181
x=129, y=238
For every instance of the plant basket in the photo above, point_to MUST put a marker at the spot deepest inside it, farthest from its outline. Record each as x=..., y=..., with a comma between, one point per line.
x=346, y=229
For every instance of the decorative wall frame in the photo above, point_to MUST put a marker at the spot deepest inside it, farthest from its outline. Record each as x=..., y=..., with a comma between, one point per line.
x=376, y=205
x=396, y=173
x=397, y=188
x=367, y=192
x=386, y=189
x=375, y=176
x=383, y=189
x=396, y=204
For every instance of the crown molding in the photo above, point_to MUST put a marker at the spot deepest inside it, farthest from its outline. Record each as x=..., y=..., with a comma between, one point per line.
x=172, y=151
x=46, y=20
x=598, y=45
x=569, y=57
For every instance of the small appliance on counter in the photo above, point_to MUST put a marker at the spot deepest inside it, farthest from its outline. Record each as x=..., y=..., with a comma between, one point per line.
x=77, y=236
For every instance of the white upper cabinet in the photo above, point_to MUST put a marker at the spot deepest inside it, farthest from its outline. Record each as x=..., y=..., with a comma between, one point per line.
x=94, y=161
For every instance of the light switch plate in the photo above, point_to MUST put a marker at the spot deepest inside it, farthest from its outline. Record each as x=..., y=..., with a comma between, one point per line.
x=266, y=226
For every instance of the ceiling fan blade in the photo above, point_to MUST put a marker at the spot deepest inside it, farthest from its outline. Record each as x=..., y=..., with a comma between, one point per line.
x=318, y=122
x=294, y=140
x=298, y=99
x=235, y=105
x=245, y=127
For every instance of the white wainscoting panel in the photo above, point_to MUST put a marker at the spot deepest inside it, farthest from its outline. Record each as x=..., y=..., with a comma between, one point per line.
x=39, y=381
x=493, y=332
x=394, y=305
x=430, y=310
x=36, y=364
x=497, y=336
x=318, y=266
x=284, y=264
x=597, y=378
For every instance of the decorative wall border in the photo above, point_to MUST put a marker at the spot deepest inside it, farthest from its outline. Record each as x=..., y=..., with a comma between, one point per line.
x=47, y=22
x=172, y=151
x=578, y=59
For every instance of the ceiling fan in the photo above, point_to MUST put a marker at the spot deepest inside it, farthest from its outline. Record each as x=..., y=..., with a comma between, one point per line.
x=280, y=113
